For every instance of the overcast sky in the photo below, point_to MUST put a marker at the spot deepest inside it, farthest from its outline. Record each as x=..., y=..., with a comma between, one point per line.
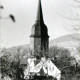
x=14, y=34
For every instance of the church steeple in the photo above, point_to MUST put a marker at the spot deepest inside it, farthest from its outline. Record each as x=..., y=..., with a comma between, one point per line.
x=39, y=12
x=39, y=33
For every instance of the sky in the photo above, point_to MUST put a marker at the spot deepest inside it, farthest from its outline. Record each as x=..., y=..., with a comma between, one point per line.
x=15, y=34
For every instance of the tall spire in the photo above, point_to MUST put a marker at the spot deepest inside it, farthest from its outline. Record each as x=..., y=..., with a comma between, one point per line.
x=39, y=13
x=39, y=34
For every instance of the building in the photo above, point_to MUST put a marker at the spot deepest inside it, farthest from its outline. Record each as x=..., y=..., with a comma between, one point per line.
x=39, y=34
x=45, y=69
x=42, y=68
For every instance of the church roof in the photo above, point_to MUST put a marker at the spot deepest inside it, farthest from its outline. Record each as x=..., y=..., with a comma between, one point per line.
x=47, y=66
x=39, y=29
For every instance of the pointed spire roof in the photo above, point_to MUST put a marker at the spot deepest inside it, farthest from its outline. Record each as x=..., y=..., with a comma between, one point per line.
x=39, y=29
x=39, y=13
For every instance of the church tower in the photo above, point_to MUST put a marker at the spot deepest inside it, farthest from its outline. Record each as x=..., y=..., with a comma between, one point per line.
x=39, y=34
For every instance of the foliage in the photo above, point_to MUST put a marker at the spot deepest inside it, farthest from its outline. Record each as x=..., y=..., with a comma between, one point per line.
x=12, y=69
x=75, y=16
x=63, y=61
x=13, y=64
x=78, y=48
x=61, y=56
x=14, y=61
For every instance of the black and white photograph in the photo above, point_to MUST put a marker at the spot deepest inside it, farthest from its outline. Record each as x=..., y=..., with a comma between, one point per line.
x=39, y=39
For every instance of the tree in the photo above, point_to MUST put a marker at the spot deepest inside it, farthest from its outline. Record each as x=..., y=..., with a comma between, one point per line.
x=72, y=21
x=61, y=56
x=4, y=66
x=77, y=17
x=13, y=64
x=63, y=60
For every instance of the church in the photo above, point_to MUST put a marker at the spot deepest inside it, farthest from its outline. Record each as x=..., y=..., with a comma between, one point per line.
x=43, y=68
